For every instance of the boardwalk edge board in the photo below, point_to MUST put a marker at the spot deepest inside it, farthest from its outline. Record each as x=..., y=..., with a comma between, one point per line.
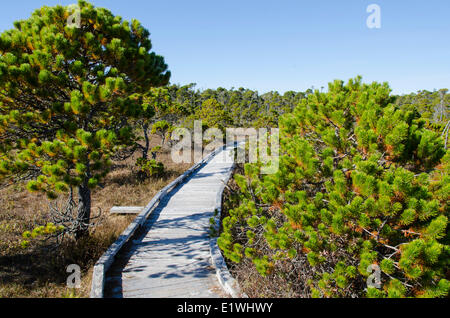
x=107, y=259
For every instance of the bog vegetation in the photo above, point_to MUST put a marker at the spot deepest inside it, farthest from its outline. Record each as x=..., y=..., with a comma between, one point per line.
x=362, y=186
x=363, y=178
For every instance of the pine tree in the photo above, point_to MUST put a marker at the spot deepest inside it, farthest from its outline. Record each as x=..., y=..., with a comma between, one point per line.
x=213, y=114
x=165, y=110
x=361, y=183
x=68, y=95
x=162, y=128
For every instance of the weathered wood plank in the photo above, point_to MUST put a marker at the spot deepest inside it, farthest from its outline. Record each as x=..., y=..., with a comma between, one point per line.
x=126, y=209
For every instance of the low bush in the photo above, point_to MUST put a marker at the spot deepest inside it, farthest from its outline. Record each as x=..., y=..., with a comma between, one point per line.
x=362, y=189
x=149, y=168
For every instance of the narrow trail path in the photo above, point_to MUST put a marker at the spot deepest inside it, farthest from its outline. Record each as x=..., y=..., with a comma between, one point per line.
x=170, y=257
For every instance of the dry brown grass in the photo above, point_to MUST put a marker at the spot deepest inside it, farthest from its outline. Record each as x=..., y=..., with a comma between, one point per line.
x=256, y=286
x=39, y=272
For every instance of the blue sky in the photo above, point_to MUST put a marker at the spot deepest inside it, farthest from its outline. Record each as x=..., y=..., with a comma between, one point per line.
x=287, y=45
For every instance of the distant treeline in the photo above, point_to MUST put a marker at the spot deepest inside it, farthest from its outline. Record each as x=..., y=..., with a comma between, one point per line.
x=434, y=106
x=235, y=107
x=248, y=108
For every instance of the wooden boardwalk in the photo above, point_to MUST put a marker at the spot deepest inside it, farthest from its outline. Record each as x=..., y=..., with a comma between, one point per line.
x=170, y=256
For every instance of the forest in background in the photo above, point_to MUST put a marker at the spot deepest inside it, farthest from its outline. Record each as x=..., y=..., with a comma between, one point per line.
x=248, y=108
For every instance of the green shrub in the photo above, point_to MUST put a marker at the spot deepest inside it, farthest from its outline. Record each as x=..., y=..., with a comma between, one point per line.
x=360, y=183
x=149, y=168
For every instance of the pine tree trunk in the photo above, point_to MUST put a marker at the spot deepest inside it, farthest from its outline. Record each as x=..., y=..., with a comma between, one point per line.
x=147, y=142
x=84, y=210
x=145, y=150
